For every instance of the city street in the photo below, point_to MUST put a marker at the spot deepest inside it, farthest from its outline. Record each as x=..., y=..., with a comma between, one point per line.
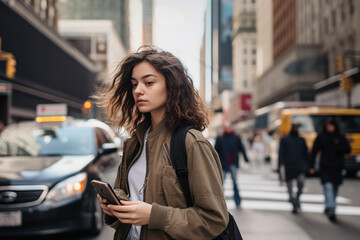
x=271, y=83
x=266, y=214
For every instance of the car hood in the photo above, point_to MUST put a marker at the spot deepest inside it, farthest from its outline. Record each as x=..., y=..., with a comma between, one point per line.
x=35, y=170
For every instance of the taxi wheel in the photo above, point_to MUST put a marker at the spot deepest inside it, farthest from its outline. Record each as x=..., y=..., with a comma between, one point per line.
x=97, y=218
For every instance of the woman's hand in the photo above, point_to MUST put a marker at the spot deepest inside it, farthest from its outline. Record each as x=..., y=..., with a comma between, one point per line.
x=104, y=206
x=135, y=213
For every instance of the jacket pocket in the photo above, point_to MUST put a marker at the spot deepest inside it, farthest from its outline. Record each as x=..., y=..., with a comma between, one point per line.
x=173, y=194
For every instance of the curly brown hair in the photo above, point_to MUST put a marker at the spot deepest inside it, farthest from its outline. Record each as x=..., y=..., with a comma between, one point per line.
x=183, y=105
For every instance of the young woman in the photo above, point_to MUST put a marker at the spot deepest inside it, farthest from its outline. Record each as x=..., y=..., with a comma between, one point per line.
x=151, y=95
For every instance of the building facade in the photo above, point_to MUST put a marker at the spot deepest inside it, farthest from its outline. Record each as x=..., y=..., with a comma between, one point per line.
x=148, y=12
x=340, y=22
x=298, y=59
x=48, y=68
x=115, y=10
x=244, y=56
x=98, y=40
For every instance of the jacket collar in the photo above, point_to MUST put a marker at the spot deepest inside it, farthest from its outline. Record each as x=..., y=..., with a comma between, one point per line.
x=144, y=125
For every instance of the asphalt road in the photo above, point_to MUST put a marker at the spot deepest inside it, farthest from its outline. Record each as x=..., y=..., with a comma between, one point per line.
x=266, y=214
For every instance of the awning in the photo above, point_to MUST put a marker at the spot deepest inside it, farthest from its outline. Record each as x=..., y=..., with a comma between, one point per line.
x=334, y=81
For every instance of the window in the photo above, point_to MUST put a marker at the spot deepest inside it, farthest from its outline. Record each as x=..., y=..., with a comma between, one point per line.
x=245, y=62
x=245, y=51
x=333, y=19
x=254, y=51
x=343, y=15
x=253, y=62
x=326, y=27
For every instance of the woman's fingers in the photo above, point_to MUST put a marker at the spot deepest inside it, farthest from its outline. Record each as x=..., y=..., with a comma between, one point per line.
x=136, y=213
x=104, y=206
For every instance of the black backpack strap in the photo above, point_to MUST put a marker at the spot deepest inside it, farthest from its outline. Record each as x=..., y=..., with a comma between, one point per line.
x=178, y=157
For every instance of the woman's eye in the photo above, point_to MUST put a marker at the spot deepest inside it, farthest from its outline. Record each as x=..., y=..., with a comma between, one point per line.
x=149, y=83
x=134, y=84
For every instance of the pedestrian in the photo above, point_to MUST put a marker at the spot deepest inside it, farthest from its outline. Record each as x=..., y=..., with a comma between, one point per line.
x=228, y=145
x=258, y=151
x=151, y=95
x=332, y=146
x=293, y=155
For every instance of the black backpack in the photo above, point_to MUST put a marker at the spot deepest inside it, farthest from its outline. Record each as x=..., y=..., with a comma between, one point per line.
x=179, y=160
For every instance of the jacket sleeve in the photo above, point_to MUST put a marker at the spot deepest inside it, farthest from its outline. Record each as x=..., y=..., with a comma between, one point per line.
x=242, y=149
x=209, y=216
x=305, y=152
x=281, y=153
x=218, y=145
x=315, y=150
x=344, y=146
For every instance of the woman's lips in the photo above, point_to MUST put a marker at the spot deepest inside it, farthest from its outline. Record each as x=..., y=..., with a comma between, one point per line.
x=140, y=101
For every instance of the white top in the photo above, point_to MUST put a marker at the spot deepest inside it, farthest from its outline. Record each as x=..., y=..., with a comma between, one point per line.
x=136, y=179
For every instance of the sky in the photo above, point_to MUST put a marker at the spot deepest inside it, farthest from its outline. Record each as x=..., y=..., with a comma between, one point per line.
x=179, y=27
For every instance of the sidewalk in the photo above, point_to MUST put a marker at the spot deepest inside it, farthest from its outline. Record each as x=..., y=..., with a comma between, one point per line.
x=255, y=225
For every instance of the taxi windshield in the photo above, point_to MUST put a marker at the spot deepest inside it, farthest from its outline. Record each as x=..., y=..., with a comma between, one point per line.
x=314, y=123
x=35, y=140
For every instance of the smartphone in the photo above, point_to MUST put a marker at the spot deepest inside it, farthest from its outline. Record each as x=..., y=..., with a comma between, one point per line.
x=105, y=190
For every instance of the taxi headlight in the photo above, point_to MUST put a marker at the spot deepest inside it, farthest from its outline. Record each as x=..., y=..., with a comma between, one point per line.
x=68, y=188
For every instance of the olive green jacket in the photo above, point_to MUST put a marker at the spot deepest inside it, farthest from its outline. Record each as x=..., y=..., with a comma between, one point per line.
x=170, y=217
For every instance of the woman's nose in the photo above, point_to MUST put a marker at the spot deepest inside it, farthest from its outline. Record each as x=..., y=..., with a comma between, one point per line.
x=138, y=89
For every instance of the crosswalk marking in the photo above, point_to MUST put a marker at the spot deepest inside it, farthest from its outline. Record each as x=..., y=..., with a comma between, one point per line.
x=263, y=193
x=283, y=196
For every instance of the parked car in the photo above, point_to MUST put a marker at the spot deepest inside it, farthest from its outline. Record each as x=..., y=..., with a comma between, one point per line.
x=45, y=173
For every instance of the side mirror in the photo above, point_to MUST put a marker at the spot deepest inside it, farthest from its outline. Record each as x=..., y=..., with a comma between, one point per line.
x=108, y=148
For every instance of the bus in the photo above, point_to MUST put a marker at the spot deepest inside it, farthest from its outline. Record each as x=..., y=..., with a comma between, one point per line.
x=312, y=119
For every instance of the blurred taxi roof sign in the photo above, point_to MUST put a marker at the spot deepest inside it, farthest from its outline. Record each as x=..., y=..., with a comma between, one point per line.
x=51, y=110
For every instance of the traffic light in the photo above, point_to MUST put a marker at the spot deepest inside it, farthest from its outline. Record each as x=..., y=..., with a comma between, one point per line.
x=346, y=84
x=340, y=63
x=10, y=68
x=87, y=107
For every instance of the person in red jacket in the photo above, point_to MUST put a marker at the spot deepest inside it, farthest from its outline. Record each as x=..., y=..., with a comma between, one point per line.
x=228, y=146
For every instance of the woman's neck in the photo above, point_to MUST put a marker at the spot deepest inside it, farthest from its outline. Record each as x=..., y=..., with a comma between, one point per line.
x=155, y=120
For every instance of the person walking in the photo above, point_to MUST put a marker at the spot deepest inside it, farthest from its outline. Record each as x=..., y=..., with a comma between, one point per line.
x=228, y=145
x=152, y=95
x=258, y=151
x=293, y=155
x=332, y=146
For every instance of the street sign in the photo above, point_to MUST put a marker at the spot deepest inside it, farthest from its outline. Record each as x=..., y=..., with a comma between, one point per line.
x=5, y=88
x=51, y=109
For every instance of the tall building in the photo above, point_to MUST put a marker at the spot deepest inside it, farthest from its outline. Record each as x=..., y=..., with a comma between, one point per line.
x=225, y=46
x=340, y=21
x=148, y=11
x=48, y=68
x=284, y=25
x=96, y=39
x=244, y=55
x=115, y=10
x=264, y=36
x=298, y=60
x=221, y=50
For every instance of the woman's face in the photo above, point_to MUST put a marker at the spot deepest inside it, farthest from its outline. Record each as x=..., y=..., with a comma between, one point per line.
x=149, y=89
